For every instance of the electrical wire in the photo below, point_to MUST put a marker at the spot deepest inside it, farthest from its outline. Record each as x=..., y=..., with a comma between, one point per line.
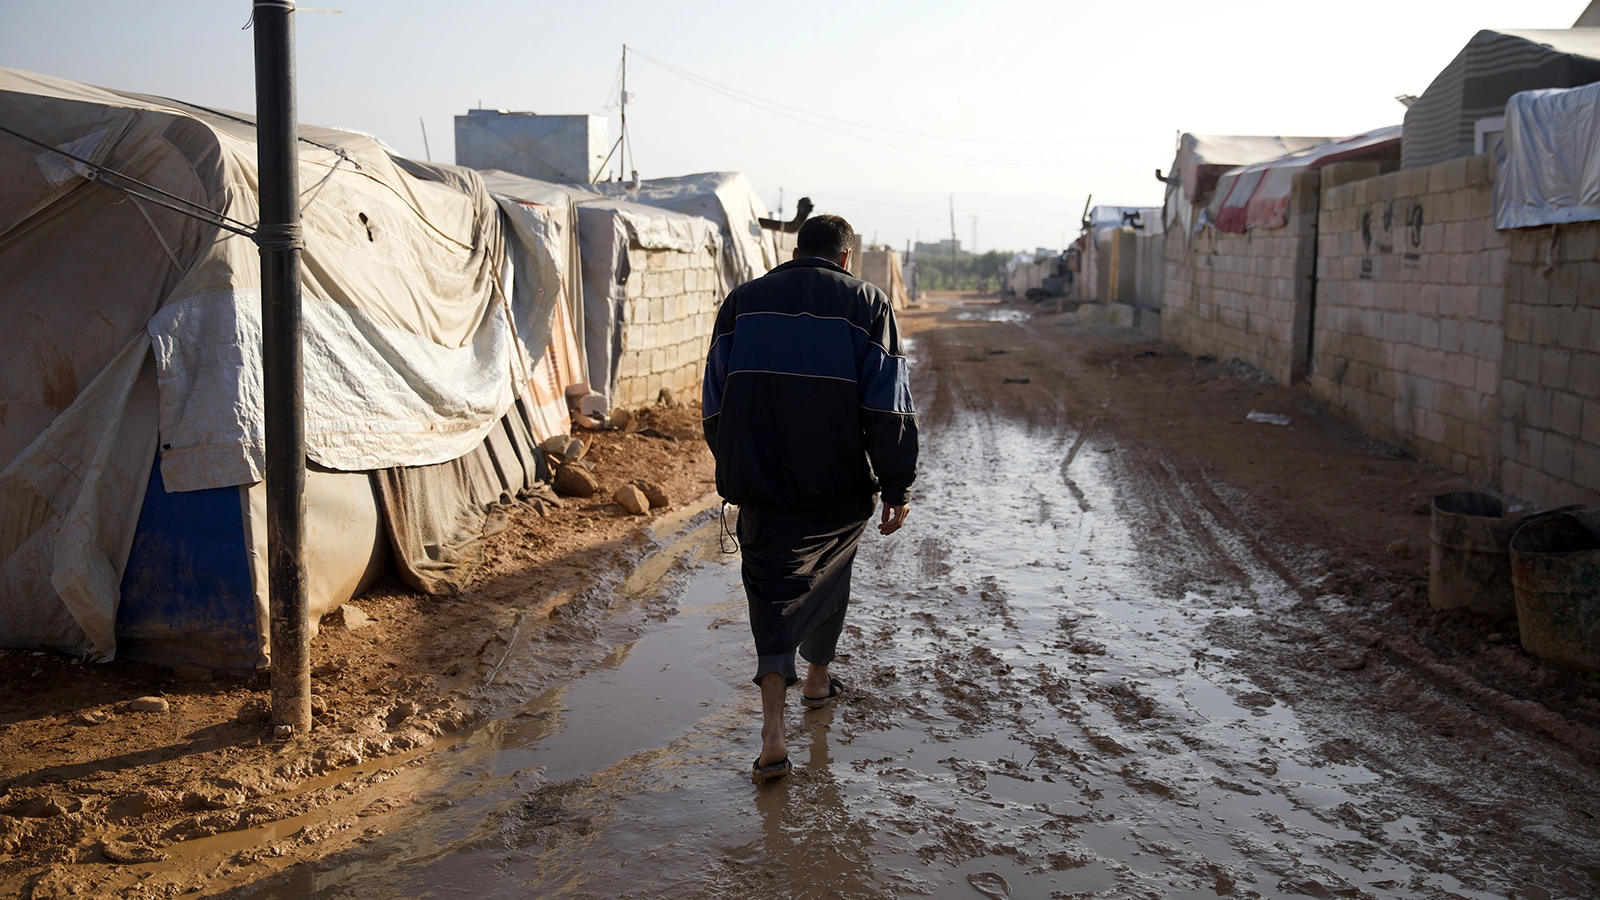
x=98, y=174
x=762, y=102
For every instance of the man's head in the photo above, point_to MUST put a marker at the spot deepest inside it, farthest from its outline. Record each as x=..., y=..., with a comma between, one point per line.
x=829, y=237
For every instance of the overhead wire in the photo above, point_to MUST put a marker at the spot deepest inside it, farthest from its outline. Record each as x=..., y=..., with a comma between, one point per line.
x=794, y=118
x=752, y=98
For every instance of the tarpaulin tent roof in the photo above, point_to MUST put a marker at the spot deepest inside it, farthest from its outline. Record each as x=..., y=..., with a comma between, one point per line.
x=1257, y=195
x=132, y=327
x=1203, y=158
x=725, y=198
x=1551, y=171
x=607, y=227
x=545, y=218
x=1117, y=216
x=1483, y=76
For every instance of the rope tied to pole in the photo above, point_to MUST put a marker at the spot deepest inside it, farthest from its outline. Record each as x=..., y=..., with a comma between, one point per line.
x=278, y=238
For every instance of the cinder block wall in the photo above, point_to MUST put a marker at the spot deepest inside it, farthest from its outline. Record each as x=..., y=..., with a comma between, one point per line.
x=672, y=300
x=1409, y=309
x=1550, y=386
x=1176, y=284
x=1246, y=295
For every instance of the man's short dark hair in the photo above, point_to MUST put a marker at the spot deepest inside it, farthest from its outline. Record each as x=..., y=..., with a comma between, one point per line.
x=825, y=236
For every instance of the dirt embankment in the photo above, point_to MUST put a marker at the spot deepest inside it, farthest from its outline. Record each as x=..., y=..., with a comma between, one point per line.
x=94, y=787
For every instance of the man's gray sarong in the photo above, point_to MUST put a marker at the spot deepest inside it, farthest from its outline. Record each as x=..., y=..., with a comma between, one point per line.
x=797, y=578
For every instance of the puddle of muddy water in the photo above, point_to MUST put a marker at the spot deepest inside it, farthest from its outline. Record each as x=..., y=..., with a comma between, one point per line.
x=1026, y=700
x=994, y=314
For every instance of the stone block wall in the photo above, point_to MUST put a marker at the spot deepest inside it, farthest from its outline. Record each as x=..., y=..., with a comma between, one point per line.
x=1409, y=303
x=672, y=308
x=1246, y=295
x=1550, y=385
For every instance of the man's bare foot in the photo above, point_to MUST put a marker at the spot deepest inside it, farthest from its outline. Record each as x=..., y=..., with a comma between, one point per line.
x=816, y=685
x=774, y=689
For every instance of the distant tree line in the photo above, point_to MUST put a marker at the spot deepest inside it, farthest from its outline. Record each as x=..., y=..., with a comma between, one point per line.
x=966, y=272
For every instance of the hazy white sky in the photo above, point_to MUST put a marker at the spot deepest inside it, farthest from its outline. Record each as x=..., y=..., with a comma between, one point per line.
x=1019, y=109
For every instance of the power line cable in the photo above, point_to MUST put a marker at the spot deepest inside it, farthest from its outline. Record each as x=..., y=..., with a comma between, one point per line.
x=758, y=104
x=706, y=82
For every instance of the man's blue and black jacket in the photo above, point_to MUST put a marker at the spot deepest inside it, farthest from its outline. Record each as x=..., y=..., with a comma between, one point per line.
x=806, y=398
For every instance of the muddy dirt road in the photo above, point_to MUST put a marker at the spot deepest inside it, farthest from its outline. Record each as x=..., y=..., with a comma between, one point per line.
x=1097, y=662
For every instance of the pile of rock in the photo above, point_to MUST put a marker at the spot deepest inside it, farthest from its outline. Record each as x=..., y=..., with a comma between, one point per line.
x=575, y=477
x=638, y=497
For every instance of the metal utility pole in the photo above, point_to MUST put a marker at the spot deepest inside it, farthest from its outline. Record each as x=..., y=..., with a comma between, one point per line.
x=425, y=150
x=279, y=239
x=974, y=248
x=622, y=155
x=955, y=283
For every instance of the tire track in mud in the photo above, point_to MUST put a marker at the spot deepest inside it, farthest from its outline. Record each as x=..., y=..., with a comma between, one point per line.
x=1066, y=466
x=1188, y=529
x=1181, y=497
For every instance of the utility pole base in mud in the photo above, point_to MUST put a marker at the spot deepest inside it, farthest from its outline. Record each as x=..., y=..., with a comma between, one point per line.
x=279, y=239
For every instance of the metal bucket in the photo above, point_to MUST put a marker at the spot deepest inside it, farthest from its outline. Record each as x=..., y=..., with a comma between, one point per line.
x=1555, y=567
x=1469, y=565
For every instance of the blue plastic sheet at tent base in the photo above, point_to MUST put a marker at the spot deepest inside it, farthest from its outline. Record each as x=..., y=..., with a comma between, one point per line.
x=187, y=598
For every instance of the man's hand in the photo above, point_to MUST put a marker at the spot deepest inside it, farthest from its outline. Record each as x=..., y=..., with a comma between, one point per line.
x=893, y=518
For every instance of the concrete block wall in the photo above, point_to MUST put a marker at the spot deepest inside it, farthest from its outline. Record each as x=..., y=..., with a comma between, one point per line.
x=1410, y=296
x=1550, y=384
x=1246, y=295
x=672, y=308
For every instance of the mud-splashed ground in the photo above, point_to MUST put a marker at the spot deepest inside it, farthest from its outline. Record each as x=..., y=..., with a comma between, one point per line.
x=1081, y=671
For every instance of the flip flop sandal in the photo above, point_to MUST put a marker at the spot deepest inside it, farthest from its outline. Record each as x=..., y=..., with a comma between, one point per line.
x=760, y=773
x=835, y=688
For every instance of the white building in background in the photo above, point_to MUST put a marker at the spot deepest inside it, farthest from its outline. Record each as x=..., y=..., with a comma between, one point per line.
x=562, y=149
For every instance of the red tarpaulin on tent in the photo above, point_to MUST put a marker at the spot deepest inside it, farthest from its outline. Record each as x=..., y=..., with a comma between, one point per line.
x=1257, y=196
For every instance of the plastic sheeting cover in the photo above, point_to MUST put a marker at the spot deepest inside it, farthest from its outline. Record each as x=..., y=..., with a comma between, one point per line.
x=724, y=198
x=400, y=269
x=544, y=220
x=1257, y=196
x=1551, y=171
x=1203, y=158
x=606, y=230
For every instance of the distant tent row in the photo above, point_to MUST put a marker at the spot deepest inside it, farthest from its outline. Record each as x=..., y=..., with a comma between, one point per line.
x=446, y=316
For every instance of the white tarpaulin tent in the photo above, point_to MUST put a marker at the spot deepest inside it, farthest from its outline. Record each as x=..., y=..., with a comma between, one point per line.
x=725, y=198
x=1551, y=171
x=544, y=218
x=606, y=230
x=1201, y=161
x=134, y=339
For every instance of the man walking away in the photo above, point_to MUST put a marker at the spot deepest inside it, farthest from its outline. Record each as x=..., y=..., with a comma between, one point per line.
x=808, y=412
